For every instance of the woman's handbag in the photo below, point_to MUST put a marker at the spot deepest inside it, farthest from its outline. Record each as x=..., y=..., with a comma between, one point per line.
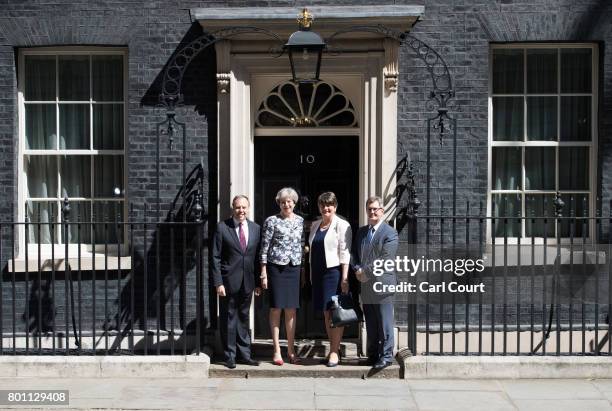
x=342, y=311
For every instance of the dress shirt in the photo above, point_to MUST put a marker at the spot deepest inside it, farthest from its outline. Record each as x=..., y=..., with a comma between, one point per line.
x=245, y=229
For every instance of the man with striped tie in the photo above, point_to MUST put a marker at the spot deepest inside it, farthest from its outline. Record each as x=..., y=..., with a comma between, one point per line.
x=376, y=241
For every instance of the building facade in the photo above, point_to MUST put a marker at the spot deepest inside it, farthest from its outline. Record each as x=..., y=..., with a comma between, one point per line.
x=82, y=119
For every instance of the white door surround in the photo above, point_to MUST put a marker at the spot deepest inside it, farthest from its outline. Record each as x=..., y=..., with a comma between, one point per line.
x=367, y=73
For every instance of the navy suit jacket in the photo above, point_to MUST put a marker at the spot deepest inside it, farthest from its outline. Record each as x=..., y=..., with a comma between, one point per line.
x=230, y=265
x=383, y=246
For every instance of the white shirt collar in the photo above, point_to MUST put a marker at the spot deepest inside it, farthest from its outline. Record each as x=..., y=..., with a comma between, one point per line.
x=377, y=226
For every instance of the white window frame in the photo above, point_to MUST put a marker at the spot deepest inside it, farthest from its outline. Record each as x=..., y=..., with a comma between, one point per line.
x=58, y=249
x=591, y=145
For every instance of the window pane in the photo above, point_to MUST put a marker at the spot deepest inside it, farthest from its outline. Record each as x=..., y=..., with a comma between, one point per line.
x=111, y=211
x=75, y=173
x=575, y=118
x=539, y=205
x=542, y=118
x=39, y=78
x=80, y=212
x=576, y=205
x=507, y=118
x=73, y=78
x=542, y=71
x=507, y=205
x=539, y=168
x=108, y=175
x=506, y=168
x=108, y=126
x=107, y=81
x=573, y=168
x=42, y=176
x=40, y=127
x=576, y=70
x=44, y=212
x=507, y=71
x=74, y=126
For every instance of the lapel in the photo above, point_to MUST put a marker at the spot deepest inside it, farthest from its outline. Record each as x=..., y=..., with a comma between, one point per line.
x=232, y=228
x=252, y=237
x=369, y=248
x=313, y=230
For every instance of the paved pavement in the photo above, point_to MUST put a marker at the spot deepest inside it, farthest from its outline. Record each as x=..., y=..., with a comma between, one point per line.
x=323, y=394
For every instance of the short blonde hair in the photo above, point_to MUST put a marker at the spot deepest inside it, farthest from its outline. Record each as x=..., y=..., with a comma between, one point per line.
x=286, y=192
x=238, y=197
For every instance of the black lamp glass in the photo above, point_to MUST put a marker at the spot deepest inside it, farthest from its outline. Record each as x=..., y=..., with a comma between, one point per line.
x=305, y=49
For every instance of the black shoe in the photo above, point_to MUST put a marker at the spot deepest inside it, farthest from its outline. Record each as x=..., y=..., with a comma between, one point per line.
x=250, y=361
x=231, y=364
x=371, y=361
x=381, y=364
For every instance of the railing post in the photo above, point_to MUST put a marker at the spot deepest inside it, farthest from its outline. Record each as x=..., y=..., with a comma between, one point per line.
x=413, y=208
x=198, y=209
x=559, y=204
x=65, y=219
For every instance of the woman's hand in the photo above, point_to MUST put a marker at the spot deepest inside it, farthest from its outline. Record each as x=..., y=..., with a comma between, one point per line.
x=344, y=285
x=264, y=282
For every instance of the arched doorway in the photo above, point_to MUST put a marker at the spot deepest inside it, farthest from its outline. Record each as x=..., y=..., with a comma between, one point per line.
x=307, y=137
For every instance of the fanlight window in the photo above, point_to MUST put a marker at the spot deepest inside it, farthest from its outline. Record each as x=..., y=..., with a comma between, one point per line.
x=306, y=105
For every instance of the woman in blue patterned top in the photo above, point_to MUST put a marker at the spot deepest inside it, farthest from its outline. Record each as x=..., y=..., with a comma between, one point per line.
x=281, y=259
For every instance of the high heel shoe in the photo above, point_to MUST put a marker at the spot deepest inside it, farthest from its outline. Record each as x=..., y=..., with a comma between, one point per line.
x=331, y=363
x=294, y=359
x=278, y=361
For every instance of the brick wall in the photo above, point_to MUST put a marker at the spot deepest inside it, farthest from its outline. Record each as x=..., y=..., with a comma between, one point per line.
x=460, y=30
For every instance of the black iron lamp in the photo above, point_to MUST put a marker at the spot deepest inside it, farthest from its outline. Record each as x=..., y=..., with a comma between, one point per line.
x=305, y=48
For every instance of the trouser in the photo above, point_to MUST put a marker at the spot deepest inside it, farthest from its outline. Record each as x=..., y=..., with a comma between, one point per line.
x=379, y=326
x=234, y=325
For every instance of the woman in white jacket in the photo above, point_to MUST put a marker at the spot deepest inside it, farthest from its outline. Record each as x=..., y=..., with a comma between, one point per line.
x=330, y=242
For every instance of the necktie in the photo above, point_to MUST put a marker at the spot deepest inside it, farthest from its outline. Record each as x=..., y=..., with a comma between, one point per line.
x=370, y=235
x=241, y=236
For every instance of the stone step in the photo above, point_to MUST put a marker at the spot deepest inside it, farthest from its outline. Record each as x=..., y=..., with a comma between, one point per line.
x=310, y=367
x=304, y=348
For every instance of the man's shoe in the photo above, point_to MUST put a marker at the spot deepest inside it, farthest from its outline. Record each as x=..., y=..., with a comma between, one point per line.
x=371, y=361
x=381, y=364
x=231, y=364
x=250, y=361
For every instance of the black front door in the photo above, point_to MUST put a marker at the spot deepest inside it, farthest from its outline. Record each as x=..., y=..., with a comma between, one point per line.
x=311, y=165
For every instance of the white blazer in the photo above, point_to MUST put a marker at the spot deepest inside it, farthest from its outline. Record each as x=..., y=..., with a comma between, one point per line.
x=337, y=241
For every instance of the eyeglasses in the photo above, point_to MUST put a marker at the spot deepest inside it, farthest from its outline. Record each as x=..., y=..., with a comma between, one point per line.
x=373, y=210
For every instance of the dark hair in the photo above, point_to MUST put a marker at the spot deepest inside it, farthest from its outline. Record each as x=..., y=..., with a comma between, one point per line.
x=327, y=198
x=374, y=199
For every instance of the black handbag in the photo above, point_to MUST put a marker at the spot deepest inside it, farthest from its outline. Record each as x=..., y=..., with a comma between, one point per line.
x=343, y=311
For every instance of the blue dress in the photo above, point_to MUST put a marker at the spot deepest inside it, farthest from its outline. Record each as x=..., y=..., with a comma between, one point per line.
x=325, y=281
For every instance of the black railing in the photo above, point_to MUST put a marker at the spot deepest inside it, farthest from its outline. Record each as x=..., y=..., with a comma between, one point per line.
x=140, y=286
x=116, y=286
x=541, y=295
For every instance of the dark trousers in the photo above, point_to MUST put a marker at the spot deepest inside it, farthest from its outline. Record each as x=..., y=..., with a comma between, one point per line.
x=234, y=325
x=379, y=326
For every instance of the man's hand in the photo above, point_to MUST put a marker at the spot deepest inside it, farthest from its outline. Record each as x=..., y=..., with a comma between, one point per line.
x=221, y=291
x=258, y=291
x=361, y=276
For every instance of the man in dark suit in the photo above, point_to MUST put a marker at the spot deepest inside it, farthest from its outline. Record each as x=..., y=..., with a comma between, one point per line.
x=235, y=271
x=376, y=241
